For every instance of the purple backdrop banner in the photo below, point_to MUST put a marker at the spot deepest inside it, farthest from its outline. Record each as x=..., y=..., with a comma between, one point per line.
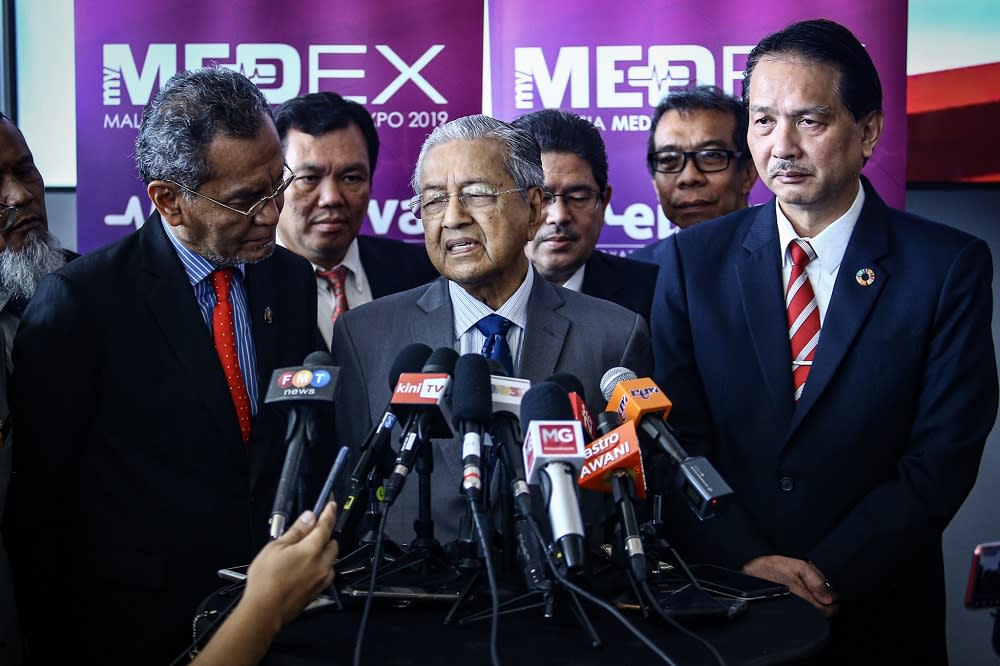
x=613, y=67
x=412, y=69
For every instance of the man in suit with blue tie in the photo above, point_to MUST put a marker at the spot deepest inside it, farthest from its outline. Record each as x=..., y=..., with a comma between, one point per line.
x=849, y=416
x=564, y=251
x=480, y=196
x=146, y=458
x=332, y=146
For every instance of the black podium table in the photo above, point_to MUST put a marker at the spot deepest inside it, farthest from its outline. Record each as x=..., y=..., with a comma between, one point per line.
x=771, y=631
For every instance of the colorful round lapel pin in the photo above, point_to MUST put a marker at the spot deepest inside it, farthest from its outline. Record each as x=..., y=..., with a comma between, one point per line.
x=865, y=277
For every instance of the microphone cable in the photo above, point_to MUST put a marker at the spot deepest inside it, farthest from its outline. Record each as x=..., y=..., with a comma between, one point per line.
x=644, y=586
x=594, y=599
x=494, y=592
x=376, y=556
x=191, y=651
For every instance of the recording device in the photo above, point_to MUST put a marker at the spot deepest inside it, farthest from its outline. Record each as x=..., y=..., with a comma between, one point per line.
x=472, y=412
x=301, y=388
x=553, y=451
x=736, y=584
x=377, y=445
x=421, y=401
x=577, y=400
x=983, y=587
x=614, y=465
x=641, y=401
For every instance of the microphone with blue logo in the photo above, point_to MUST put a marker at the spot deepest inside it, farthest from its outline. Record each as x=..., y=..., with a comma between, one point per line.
x=301, y=389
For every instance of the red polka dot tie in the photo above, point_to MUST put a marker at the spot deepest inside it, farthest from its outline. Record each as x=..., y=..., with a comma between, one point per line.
x=335, y=279
x=225, y=347
x=803, y=314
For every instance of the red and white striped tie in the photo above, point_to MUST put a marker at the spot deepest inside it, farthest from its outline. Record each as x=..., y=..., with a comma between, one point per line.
x=803, y=314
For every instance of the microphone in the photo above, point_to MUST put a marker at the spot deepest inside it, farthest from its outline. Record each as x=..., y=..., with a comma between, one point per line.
x=553, y=450
x=614, y=465
x=577, y=400
x=505, y=431
x=378, y=442
x=642, y=402
x=472, y=412
x=300, y=387
x=422, y=400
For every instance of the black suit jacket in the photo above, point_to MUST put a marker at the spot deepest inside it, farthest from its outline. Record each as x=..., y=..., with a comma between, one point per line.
x=393, y=266
x=627, y=282
x=862, y=475
x=132, y=486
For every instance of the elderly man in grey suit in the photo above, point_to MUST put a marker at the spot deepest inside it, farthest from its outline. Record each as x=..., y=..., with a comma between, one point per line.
x=479, y=192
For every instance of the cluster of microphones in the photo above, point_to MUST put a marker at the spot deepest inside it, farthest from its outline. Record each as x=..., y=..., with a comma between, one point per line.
x=527, y=451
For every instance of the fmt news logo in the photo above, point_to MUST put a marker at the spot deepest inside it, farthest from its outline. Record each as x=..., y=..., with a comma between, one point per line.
x=627, y=76
x=277, y=69
x=303, y=378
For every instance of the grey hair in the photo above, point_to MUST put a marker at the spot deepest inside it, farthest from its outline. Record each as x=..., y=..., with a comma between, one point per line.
x=191, y=109
x=523, y=160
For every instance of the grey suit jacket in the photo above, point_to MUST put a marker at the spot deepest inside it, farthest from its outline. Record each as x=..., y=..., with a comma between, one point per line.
x=565, y=332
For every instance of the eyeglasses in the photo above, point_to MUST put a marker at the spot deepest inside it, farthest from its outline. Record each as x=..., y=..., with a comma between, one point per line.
x=706, y=161
x=252, y=210
x=472, y=198
x=580, y=201
x=7, y=216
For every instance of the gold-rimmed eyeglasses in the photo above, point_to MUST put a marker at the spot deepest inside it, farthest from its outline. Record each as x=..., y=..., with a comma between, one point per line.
x=252, y=210
x=472, y=198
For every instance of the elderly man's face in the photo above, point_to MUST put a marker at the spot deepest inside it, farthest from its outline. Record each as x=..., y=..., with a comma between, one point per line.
x=807, y=145
x=244, y=171
x=21, y=186
x=480, y=247
x=328, y=200
x=573, y=219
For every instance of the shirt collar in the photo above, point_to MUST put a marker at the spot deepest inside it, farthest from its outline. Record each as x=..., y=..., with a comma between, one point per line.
x=829, y=244
x=196, y=267
x=471, y=309
x=575, y=281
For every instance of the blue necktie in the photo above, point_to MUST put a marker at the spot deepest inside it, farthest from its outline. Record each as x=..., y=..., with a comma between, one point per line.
x=495, y=328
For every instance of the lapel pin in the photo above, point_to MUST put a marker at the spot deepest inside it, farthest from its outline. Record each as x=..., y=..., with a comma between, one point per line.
x=865, y=277
x=269, y=315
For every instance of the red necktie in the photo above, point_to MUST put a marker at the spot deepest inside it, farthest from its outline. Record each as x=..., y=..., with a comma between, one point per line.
x=335, y=280
x=803, y=314
x=225, y=347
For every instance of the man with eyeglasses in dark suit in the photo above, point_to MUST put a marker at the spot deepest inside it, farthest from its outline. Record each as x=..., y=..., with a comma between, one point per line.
x=698, y=159
x=563, y=251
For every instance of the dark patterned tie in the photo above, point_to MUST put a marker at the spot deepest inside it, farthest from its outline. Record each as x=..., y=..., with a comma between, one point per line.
x=335, y=279
x=495, y=328
x=223, y=331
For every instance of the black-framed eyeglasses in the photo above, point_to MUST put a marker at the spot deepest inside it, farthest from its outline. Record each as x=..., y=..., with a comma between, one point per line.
x=252, y=210
x=472, y=198
x=8, y=214
x=706, y=161
x=580, y=201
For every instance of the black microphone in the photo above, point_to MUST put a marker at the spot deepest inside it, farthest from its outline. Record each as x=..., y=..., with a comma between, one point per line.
x=505, y=431
x=553, y=451
x=472, y=413
x=578, y=401
x=421, y=399
x=641, y=401
x=378, y=442
x=300, y=387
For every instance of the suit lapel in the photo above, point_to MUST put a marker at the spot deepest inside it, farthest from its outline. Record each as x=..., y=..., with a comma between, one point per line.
x=851, y=303
x=598, y=282
x=263, y=311
x=545, y=332
x=437, y=327
x=167, y=293
x=761, y=291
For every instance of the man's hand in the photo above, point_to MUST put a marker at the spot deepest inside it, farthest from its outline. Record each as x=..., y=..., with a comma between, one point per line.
x=801, y=577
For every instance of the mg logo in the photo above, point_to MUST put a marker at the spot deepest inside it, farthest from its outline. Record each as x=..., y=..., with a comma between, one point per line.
x=558, y=439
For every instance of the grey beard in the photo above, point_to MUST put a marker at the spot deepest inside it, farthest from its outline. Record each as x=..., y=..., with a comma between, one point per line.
x=21, y=271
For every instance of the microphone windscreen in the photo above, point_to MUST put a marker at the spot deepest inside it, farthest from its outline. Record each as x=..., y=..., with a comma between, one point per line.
x=546, y=401
x=410, y=359
x=318, y=358
x=443, y=359
x=472, y=393
x=496, y=368
x=611, y=379
x=571, y=383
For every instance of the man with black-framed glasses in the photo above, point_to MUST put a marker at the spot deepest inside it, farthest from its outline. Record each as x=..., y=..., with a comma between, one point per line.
x=698, y=159
x=564, y=251
x=147, y=459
